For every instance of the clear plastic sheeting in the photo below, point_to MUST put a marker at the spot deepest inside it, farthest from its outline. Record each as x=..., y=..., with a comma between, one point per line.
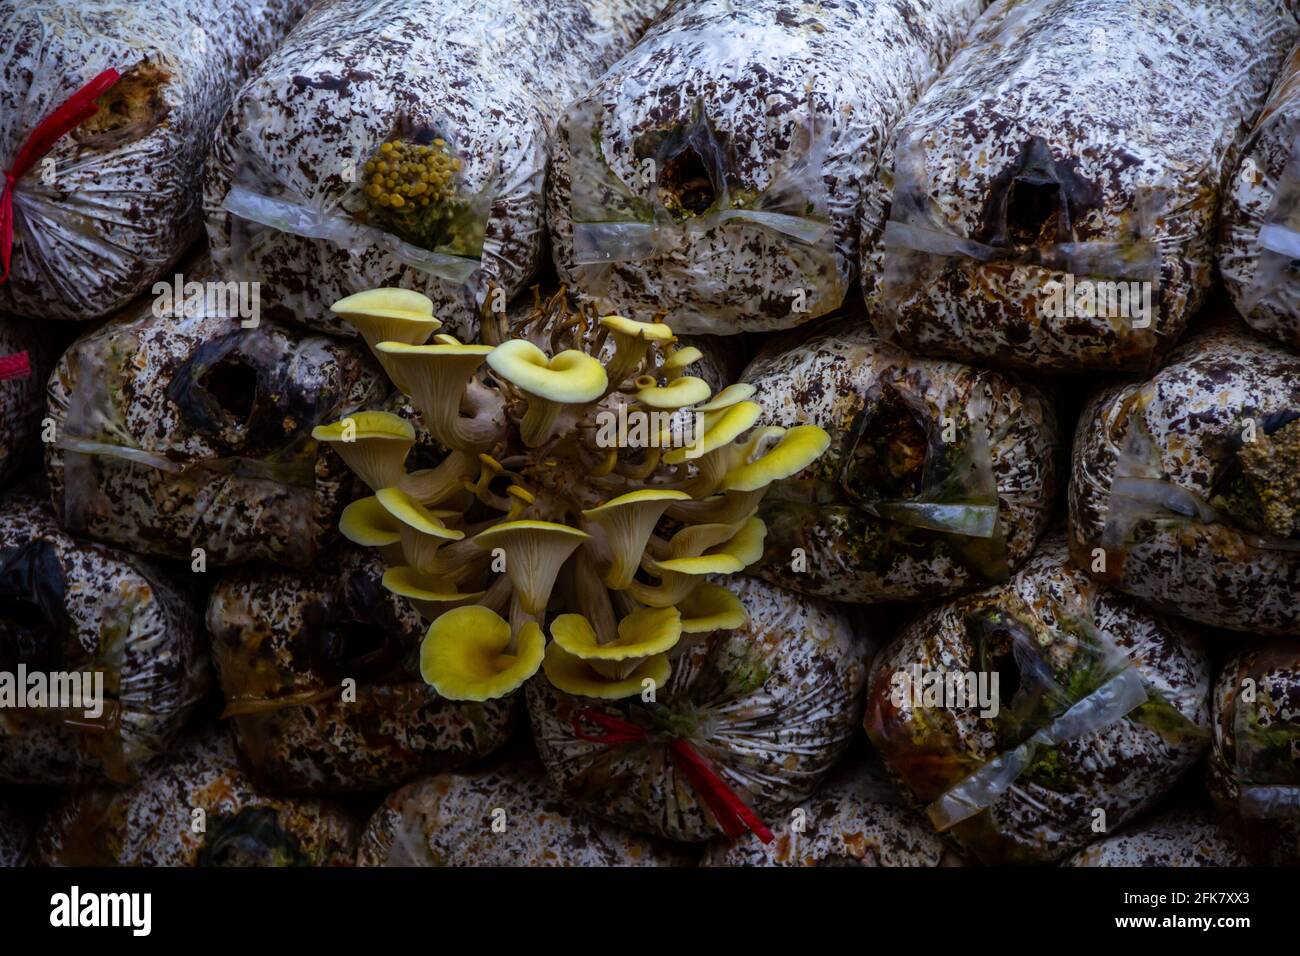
x=117, y=200
x=506, y=816
x=1055, y=191
x=124, y=627
x=151, y=822
x=284, y=643
x=939, y=477
x=1259, y=242
x=404, y=143
x=1184, y=487
x=182, y=428
x=1016, y=715
x=720, y=169
x=769, y=707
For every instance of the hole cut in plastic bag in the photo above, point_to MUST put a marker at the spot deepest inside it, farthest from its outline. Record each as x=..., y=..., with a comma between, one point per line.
x=1144, y=502
x=1088, y=685
x=614, y=222
x=919, y=246
x=259, y=201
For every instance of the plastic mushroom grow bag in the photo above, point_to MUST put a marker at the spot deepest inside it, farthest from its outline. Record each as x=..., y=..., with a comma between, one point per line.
x=196, y=809
x=321, y=686
x=15, y=837
x=1259, y=242
x=856, y=818
x=1025, y=717
x=1054, y=217
x=1185, y=490
x=508, y=816
x=745, y=728
x=720, y=169
x=107, y=108
x=1254, y=766
x=23, y=362
x=100, y=657
x=939, y=477
x=404, y=143
x=1180, y=838
x=181, y=429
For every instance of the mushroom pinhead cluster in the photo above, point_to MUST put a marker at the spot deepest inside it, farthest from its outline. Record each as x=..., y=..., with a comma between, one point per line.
x=543, y=517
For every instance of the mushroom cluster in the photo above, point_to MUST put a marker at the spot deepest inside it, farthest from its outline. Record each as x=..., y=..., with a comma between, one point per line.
x=590, y=490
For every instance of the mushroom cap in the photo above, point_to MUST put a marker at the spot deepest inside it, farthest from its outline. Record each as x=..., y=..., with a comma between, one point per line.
x=402, y=305
x=643, y=633
x=680, y=358
x=575, y=676
x=414, y=515
x=650, y=331
x=407, y=582
x=711, y=608
x=728, y=425
x=368, y=523
x=737, y=553
x=731, y=395
x=569, y=377
x=464, y=654
x=458, y=349
x=678, y=393
x=366, y=425
x=632, y=498
x=512, y=528
x=798, y=448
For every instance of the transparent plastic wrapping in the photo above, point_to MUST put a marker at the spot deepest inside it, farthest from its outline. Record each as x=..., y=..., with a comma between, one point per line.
x=1096, y=705
x=1184, y=488
x=1048, y=217
x=1254, y=766
x=24, y=363
x=856, y=818
x=116, y=201
x=1259, y=241
x=507, y=816
x=67, y=608
x=720, y=169
x=939, y=478
x=285, y=644
x=180, y=428
x=403, y=143
x=153, y=822
x=1185, y=836
x=768, y=707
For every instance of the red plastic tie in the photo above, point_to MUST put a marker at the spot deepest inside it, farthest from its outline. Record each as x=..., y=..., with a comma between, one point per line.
x=731, y=812
x=15, y=365
x=74, y=111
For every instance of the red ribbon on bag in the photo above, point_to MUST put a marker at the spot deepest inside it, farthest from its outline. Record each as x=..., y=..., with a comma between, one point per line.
x=15, y=365
x=74, y=111
x=730, y=810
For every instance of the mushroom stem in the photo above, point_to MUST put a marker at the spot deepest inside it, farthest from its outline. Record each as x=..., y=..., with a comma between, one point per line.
x=430, y=486
x=538, y=421
x=593, y=598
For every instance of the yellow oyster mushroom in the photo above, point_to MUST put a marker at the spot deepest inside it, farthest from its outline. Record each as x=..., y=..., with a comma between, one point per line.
x=679, y=393
x=720, y=432
x=431, y=596
x=422, y=531
x=389, y=315
x=367, y=523
x=711, y=608
x=534, y=553
x=438, y=379
x=575, y=676
x=731, y=395
x=678, y=360
x=431, y=486
x=627, y=523
x=373, y=444
x=631, y=340
x=468, y=654
x=679, y=575
x=570, y=378
x=643, y=633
